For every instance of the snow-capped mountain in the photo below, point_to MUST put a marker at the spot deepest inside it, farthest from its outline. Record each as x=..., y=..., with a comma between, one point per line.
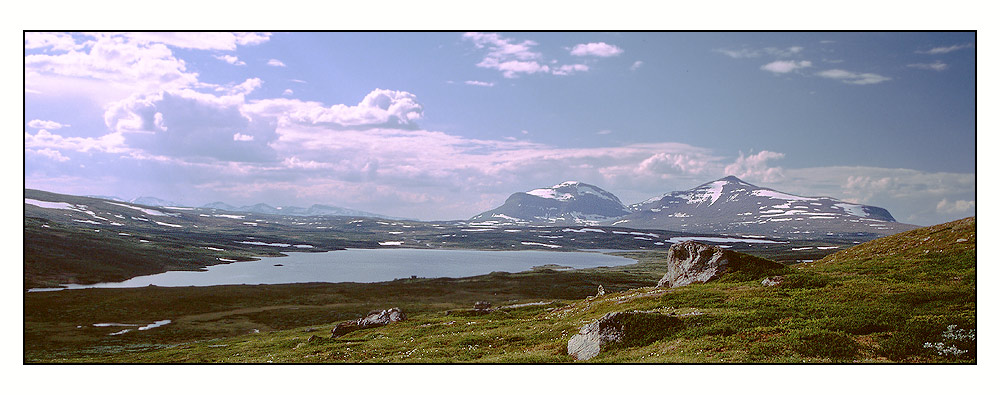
x=571, y=202
x=732, y=206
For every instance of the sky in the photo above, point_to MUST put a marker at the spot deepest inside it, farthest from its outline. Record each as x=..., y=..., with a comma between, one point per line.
x=445, y=125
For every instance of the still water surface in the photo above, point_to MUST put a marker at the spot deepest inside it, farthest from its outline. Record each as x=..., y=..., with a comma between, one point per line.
x=368, y=265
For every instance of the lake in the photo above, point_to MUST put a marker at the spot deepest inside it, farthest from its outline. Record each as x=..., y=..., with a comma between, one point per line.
x=366, y=265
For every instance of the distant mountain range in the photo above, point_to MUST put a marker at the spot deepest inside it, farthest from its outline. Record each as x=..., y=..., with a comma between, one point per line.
x=724, y=206
x=259, y=208
x=314, y=210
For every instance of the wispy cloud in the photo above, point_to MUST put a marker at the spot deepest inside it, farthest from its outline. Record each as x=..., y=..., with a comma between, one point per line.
x=785, y=66
x=514, y=59
x=936, y=66
x=635, y=66
x=600, y=49
x=201, y=40
x=51, y=154
x=944, y=50
x=745, y=53
x=853, y=78
x=479, y=83
x=275, y=63
x=287, y=92
x=569, y=69
x=50, y=125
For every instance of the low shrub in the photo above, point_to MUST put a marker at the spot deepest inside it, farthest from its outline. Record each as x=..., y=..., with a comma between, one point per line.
x=936, y=337
x=822, y=343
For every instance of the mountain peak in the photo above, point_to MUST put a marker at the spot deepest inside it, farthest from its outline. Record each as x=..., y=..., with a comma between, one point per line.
x=569, y=202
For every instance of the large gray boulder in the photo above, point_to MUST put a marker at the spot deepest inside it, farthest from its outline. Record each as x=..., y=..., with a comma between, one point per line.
x=691, y=262
x=622, y=329
x=374, y=319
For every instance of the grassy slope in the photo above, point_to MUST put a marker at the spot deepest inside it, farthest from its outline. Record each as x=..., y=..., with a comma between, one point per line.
x=878, y=302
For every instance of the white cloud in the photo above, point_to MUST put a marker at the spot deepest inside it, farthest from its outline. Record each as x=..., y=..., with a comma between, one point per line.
x=911, y=196
x=755, y=167
x=190, y=126
x=276, y=63
x=740, y=53
x=569, y=69
x=635, y=66
x=479, y=83
x=849, y=77
x=113, y=142
x=115, y=63
x=936, y=66
x=54, y=41
x=944, y=50
x=233, y=60
x=785, y=66
x=963, y=207
x=745, y=53
x=201, y=40
x=51, y=154
x=382, y=108
x=246, y=87
x=514, y=59
x=604, y=131
x=287, y=92
x=600, y=49
x=50, y=125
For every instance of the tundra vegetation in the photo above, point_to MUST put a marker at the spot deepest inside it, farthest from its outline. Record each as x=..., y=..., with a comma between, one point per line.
x=909, y=298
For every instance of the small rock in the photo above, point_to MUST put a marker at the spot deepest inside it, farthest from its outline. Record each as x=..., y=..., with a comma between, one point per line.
x=482, y=305
x=961, y=240
x=600, y=290
x=772, y=281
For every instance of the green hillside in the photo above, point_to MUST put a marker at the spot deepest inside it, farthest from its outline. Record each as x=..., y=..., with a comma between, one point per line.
x=909, y=297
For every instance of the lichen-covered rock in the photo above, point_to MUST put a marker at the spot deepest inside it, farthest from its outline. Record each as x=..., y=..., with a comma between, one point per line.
x=623, y=328
x=690, y=262
x=482, y=305
x=372, y=320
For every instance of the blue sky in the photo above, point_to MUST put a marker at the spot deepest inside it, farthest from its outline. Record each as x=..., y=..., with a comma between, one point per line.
x=446, y=125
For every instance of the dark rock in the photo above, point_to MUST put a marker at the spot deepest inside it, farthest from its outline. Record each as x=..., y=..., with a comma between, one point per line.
x=620, y=329
x=690, y=262
x=374, y=319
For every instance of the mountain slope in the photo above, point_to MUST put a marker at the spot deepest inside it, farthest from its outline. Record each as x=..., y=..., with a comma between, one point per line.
x=732, y=206
x=570, y=202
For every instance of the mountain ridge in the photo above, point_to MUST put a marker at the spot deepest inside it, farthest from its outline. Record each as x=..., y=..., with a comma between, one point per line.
x=728, y=205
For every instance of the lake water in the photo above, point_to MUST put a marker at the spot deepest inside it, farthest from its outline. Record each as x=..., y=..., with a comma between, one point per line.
x=367, y=265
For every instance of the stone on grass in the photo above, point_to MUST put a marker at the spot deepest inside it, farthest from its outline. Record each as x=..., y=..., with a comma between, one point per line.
x=374, y=319
x=620, y=329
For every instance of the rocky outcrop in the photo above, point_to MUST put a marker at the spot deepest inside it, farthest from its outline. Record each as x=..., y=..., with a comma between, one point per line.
x=620, y=329
x=373, y=320
x=690, y=262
